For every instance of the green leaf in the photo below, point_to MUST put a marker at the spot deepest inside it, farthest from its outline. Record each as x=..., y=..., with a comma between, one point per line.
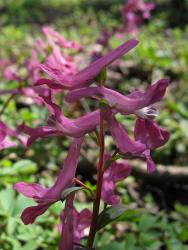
x=147, y=222
x=68, y=191
x=182, y=209
x=20, y=167
x=109, y=214
x=25, y=167
x=113, y=246
x=7, y=201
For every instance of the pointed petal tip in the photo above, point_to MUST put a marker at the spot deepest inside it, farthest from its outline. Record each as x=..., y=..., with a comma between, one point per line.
x=165, y=81
x=135, y=41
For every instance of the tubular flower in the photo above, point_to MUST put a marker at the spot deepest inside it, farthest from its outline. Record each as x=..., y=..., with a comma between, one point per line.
x=134, y=12
x=151, y=135
x=57, y=59
x=6, y=132
x=123, y=104
x=45, y=197
x=54, y=35
x=138, y=103
x=52, y=51
x=120, y=136
x=116, y=172
x=62, y=126
x=88, y=75
x=67, y=230
x=81, y=221
x=4, y=141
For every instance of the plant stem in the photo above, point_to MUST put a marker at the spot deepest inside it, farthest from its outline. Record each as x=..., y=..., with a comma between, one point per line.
x=96, y=203
x=6, y=104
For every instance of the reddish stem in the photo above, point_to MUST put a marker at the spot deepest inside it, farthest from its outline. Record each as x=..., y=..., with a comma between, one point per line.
x=96, y=203
x=80, y=183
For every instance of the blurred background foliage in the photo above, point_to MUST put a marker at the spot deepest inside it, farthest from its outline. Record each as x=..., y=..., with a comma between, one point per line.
x=152, y=221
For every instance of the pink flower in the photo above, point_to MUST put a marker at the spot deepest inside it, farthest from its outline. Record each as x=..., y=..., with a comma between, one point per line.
x=134, y=12
x=54, y=58
x=54, y=35
x=45, y=197
x=57, y=60
x=124, y=104
x=60, y=125
x=148, y=133
x=5, y=132
x=116, y=172
x=120, y=136
x=137, y=102
x=81, y=221
x=86, y=76
x=67, y=230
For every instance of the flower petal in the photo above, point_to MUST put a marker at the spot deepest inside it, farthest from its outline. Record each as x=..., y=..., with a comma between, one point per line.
x=31, y=213
x=31, y=190
x=67, y=173
x=67, y=240
x=124, y=104
x=150, y=134
x=120, y=136
x=87, y=76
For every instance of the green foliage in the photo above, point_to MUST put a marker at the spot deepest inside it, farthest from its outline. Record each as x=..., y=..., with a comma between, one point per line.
x=69, y=191
x=14, y=234
x=109, y=214
x=147, y=231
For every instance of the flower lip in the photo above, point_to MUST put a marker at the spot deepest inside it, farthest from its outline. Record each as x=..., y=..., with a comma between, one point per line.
x=149, y=113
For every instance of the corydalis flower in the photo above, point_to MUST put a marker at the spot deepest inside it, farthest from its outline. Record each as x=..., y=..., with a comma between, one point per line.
x=88, y=75
x=56, y=59
x=139, y=103
x=150, y=134
x=116, y=172
x=59, y=125
x=75, y=222
x=134, y=12
x=5, y=142
x=45, y=197
x=67, y=230
x=124, y=104
x=52, y=51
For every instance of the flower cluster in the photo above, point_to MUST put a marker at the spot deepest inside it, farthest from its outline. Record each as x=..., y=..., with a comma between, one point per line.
x=63, y=76
x=134, y=12
x=26, y=73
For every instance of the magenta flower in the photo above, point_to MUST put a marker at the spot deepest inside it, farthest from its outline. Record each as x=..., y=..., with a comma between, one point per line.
x=104, y=39
x=54, y=58
x=60, y=125
x=134, y=12
x=54, y=35
x=81, y=221
x=86, y=76
x=138, y=103
x=116, y=172
x=67, y=230
x=120, y=136
x=6, y=133
x=148, y=133
x=123, y=104
x=45, y=197
x=57, y=60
